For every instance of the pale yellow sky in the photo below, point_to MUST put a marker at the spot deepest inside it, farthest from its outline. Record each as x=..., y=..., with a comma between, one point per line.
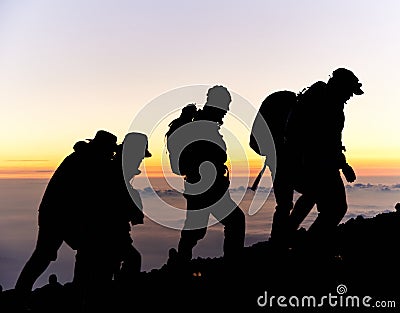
x=70, y=68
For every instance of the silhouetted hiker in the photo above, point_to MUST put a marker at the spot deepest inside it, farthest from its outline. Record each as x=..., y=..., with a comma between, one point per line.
x=128, y=159
x=107, y=252
x=267, y=138
x=63, y=209
x=314, y=135
x=198, y=152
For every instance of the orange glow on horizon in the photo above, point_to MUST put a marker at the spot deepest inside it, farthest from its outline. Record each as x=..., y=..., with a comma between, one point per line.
x=26, y=172
x=362, y=168
x=376, y=167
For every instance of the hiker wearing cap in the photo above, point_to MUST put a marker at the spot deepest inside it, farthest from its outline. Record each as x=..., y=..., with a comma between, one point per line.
x=66, y=200
x=128, y=204
x=198, y=153
x=107, y=252
x=314, y=136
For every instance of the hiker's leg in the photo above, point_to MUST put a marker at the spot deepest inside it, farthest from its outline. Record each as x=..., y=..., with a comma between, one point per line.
x=131, y=263
x=283, y=191
x=46, y=249
x=332, y=206
x=188, y=240
x=234, y=233
x=195, y=229
x=128, y=261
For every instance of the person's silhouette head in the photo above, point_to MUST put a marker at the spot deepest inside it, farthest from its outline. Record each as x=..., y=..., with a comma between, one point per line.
x=217, y=104
x=104, y=143
x=135, y=149
x=344, y=84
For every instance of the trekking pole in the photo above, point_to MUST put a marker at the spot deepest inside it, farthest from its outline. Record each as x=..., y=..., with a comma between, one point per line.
x=258, y=178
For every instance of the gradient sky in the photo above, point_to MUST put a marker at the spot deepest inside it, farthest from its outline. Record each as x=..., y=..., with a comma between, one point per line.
x=69, y=68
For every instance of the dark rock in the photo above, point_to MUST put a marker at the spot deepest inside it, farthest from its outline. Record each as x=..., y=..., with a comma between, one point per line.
x=364, y=261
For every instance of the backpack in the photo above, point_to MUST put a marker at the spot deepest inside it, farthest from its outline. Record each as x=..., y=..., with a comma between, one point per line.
x=269, y=127
x=272, y=117
x=175, y=144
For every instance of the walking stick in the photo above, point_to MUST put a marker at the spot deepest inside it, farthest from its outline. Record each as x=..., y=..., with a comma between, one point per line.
x=258, y=178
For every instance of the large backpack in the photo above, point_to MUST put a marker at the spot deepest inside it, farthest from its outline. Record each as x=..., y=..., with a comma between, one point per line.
x=268, y=132
x=271, y=121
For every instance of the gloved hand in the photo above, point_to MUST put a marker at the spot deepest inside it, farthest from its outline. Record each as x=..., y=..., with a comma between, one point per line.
x=349, y=173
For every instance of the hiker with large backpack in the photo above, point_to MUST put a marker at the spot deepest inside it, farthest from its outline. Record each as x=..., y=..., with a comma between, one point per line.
x=268, y=138
x=307, y=132
x=315, y=135
x=197, y=151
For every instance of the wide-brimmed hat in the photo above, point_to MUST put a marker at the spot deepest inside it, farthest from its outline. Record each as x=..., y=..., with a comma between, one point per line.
x=104, y=138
